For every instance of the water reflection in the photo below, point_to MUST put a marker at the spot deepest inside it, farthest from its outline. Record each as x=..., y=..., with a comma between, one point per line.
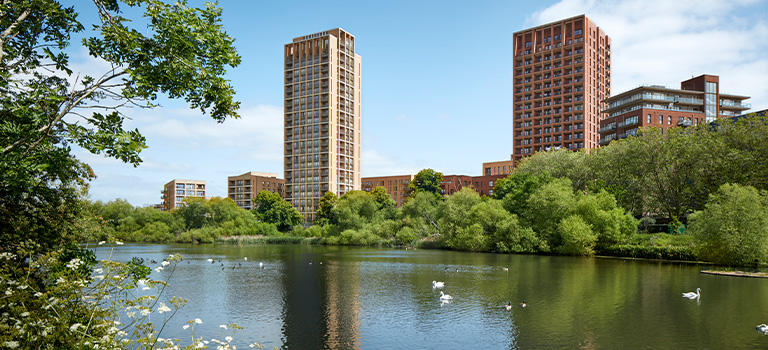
x=358, y=298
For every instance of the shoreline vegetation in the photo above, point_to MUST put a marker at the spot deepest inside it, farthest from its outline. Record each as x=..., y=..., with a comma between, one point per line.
x=612, y=201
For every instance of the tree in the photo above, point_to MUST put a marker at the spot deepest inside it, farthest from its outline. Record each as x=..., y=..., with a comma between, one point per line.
x=324, y=207
x=427, y=180
x=515, y=189
x=45, y=107
x=547, y=206
x=420, y=213
x=733, y=227
x=271, y=208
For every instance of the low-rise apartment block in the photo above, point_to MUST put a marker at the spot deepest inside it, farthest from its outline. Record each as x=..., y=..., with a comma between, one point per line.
x=397, y=186
x=243, y=188
x=503, y=167
x=698, y=100
x=483, y=184
x=176, y=190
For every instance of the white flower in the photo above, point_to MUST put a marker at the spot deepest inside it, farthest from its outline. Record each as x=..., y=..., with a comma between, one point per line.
x=74, y=264
x=159, y=268
x=24, y=314
x=122, y=333
x=60, y=280
x=131, y=314
x=185, y=326
x=223, y=326
x=99, y=277
x=165, y=263
x=199, y=345
x=145, y=288
x=9, y=291
x=228, y=339
x=74, y=327
x=163, y=308
x=11, y=344
x=145, y=312
x=38, y=294
x=98, y=270
x=6, y=256
x=198, y=321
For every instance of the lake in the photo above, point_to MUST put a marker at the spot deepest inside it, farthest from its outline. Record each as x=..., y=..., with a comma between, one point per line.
x=319, y=297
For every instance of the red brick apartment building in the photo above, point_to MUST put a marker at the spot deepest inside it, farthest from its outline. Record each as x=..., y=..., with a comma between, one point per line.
x=483, y=184
x=562, y=72
x=397, y=186
x=244, y=188
x=698, y=100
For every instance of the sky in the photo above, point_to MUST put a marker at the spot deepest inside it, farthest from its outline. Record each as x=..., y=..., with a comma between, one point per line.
x=436, y=81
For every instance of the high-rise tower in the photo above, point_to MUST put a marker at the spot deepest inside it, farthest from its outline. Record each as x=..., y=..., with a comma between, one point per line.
x=562, y=73
x=322, y=118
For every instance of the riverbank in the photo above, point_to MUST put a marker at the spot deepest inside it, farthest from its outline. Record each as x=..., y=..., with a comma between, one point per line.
x=758, y=274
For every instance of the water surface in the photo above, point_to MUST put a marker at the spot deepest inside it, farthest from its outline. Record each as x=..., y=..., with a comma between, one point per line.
x=317, y=297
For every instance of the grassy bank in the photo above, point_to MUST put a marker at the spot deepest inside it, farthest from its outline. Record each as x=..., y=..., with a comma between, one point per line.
x=269, y=240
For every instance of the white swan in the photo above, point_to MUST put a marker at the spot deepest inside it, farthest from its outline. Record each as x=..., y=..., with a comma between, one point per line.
x=436, y=284
x=692, y=295
x=261, y=265
x=444, y=296
x=762, y=328
x=210, y=260
x=245, y=258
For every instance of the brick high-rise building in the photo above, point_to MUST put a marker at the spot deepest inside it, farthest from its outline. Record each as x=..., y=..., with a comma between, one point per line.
x=562, y=73
x=396, y=185
x=322, y=118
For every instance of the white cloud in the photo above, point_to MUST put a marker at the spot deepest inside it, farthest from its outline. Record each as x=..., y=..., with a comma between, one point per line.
x=663, y=42
x=378, y=164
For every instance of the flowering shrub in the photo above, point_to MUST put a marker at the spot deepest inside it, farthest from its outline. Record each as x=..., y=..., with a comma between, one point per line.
x=66, y=299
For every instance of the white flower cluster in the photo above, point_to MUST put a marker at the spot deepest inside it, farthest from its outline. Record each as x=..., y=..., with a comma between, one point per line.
x=74, y=264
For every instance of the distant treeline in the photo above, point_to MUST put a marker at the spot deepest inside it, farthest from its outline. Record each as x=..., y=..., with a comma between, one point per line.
x=712, y=178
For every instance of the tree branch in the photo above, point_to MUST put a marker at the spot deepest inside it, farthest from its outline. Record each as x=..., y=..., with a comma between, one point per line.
x=10, y=28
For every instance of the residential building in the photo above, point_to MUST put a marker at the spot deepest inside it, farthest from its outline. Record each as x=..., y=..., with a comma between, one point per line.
x=503, y=167
x=562, y=72
x=396, y=186
x=483, y=184
x=322, y=118
x=243, y=188
x=176, y=190
x=698, y=100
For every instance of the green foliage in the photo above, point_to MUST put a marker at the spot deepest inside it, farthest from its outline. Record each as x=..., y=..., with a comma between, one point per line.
x=515, y=189
x=420, y=213
x=610, y=223
x=271, y=208
x=733, y=228
x=547, y=206
x=426, y=180
x=324, y=207
x=561, y=163
x=577, y=237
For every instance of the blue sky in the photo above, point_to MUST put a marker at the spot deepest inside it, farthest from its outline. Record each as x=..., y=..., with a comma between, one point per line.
x=436, y=81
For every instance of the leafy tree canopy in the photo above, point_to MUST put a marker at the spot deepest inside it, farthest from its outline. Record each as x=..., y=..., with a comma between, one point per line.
x=45, y=106
x=427, y=180
x=271, y=208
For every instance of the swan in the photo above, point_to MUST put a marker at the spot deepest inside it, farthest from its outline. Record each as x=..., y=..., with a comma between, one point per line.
x=508, y=306
x=692, y=295
x=210, y=261
x=444, y=296
x=523, y=304
x=763, y=328
x=261, y=265
x=436, y=284
x=245, y=258
x=505, y=268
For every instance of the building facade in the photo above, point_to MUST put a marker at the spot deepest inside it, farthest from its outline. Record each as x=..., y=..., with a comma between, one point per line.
x=562, y=72
x=322, y=118
x=503, y=167
x=698, y=100
x=482, y=184
x=396, y=186
x=176, y=190
x=243, y=188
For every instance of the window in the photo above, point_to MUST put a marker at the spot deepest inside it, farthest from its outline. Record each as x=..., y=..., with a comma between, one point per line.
x=649, y=119
x=661, y=119
x=490, y=183
x=577, y=32
x=669, y=120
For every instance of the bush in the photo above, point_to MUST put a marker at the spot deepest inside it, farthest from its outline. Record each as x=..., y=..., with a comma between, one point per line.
x=681, y=253
x=733, y=227
x=576, y=236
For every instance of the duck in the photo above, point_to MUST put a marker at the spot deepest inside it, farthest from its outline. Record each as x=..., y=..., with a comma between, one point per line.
x=508, y=306
x=436, y=284
x=762, y=328
x=523, y=304
x=505, y=268
x=692, y=295
x=444, y=296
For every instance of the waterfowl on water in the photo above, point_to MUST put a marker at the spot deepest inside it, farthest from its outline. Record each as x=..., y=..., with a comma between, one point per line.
x=523, y=304
x=692, y=295
x=436, y=284
x=444, y=296
x=508, y=306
